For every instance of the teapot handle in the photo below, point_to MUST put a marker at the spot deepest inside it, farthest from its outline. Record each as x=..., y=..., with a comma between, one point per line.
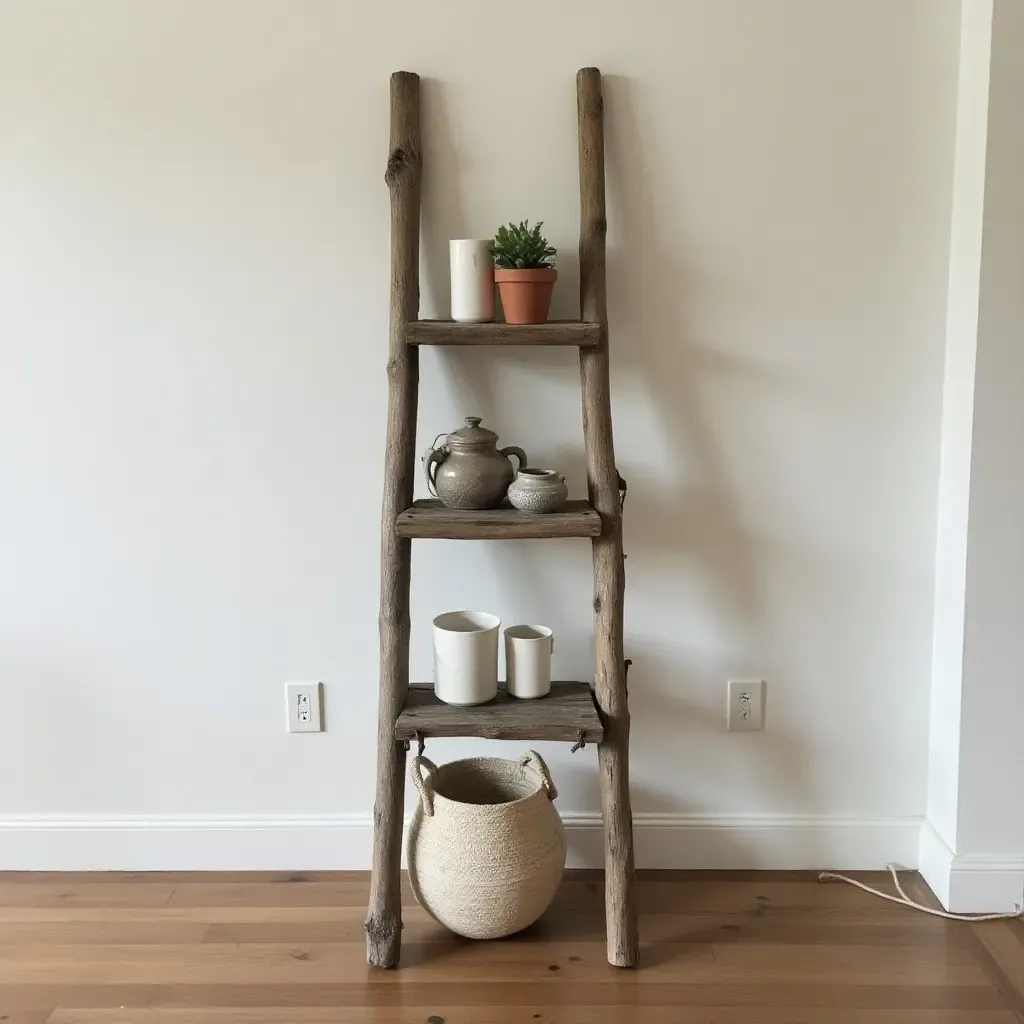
x=517, y=452
x=432, y=458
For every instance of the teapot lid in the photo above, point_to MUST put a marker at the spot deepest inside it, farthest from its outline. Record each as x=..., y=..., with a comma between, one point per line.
x=472, y=435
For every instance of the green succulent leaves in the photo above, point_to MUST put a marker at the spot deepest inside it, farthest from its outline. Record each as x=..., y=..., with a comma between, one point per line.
x=520, y=247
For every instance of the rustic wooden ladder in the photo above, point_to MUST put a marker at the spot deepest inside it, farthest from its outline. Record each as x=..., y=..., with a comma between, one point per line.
x=569, y=713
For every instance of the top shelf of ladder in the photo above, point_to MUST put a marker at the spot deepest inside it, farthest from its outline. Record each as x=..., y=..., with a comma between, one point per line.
x=574, y=333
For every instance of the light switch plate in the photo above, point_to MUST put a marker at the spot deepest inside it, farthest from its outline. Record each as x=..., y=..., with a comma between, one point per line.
x=745, y=707
x=305, y=703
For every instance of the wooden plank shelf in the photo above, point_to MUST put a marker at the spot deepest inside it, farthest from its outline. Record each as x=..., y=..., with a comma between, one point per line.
x=431, y=519
x=554, y=332
x=564, y=714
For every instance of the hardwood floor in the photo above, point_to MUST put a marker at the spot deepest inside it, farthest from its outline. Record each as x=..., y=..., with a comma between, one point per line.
x=717, y=948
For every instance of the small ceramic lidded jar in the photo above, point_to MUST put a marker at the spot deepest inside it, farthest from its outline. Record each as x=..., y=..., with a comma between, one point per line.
x=538, y=490
x=470, y=471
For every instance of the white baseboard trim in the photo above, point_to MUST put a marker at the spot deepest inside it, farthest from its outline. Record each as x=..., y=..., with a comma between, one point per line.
x=967, y=883
x=986, y=885
x=344, y=842
x=935, y=861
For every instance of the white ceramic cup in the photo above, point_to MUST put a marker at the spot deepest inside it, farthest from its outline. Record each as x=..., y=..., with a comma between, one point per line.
x=528, y=651
x=472, y=280
x=466, y=657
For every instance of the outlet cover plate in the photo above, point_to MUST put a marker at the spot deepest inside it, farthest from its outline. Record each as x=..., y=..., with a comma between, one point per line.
x=305, y=707
x=745, y=707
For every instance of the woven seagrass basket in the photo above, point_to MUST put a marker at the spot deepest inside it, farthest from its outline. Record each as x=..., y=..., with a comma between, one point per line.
x=486, y=847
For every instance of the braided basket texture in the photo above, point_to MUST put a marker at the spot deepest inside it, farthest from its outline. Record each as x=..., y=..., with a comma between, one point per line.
x=486, y=847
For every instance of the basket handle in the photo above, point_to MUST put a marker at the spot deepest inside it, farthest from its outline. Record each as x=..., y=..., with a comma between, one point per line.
x=424, y=781
x=534, y=760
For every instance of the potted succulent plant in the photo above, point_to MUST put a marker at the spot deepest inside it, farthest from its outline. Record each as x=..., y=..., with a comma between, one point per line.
x=524, y=271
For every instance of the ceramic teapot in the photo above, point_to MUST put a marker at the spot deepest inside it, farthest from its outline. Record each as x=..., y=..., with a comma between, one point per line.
x=469, y=470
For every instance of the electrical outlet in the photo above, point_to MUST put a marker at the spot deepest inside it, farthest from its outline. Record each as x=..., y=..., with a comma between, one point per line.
x=745, y=707
x=305, y=701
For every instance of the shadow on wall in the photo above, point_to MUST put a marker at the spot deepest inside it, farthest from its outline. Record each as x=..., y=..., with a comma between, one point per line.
x=680, y=525
x=442, y=216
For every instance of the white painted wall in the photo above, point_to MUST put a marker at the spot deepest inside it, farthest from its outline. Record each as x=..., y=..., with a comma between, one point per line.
x=967, y=227
x=991, y=818
x=193, y=278
x=972, y=849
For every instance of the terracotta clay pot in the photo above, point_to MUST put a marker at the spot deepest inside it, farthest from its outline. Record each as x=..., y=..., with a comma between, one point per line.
x=526, y=294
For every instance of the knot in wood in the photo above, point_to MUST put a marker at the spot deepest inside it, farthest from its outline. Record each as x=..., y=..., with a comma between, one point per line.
x=397, y=162
x=597, y=604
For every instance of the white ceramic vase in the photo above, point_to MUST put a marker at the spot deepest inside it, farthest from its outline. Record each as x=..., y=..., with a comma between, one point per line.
x=466, y=657
x=472, y=280
x=528, y=651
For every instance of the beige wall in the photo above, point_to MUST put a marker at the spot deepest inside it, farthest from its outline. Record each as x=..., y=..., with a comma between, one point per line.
x=193, y=277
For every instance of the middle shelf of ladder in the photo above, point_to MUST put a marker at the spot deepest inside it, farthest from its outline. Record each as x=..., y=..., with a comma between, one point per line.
x=431, y=519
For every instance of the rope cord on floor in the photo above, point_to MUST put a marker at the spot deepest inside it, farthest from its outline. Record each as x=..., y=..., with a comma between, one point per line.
x=904, y=900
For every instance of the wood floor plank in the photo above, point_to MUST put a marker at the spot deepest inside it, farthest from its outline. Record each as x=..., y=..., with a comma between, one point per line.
x=722, y=896
x=690, y=892
x=102, y=933
x=829, y=925
x=28, y=997
x=282, y=963
x=241, y=923
x=851, y=964
x=827, y=928
x=539, y=1014
x=612, y=992
x=269, y=894
x=78, y=894
x=443, y=998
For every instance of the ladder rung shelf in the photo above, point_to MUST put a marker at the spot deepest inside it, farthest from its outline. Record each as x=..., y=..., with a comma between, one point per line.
x=572, y=711
x=573, y=333
x=567, y=713
x=430, y=519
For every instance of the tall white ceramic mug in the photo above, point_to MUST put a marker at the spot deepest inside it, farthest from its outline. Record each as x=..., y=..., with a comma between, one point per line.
x=528, y=651
x=466, y=657
x=472, y=280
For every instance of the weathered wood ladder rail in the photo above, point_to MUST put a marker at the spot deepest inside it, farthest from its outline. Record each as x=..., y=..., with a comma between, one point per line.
x=569, y=712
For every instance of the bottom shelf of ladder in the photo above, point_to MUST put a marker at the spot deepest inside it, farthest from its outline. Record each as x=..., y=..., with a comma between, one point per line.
x=567, y=713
